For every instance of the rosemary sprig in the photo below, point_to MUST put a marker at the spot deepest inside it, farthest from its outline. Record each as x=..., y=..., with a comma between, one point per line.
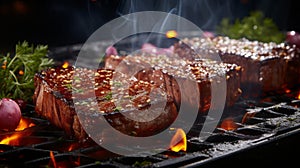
x=17, y=71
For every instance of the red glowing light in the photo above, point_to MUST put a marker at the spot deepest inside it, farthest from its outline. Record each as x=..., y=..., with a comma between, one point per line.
x=229, y=124
x=53, y=159
x=247, y=116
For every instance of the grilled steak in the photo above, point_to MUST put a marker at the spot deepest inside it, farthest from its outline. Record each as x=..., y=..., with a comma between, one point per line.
x=142, y=103
x=64, y=95
x=266, y=67
x=184, y=81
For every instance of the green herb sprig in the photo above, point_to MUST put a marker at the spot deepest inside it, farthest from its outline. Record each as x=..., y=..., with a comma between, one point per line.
x=253, y=27
x=17, y=71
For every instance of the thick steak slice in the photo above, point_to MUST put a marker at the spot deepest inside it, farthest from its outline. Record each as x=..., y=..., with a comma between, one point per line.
x=266, y=67
x=68, y=98
x=188, y=82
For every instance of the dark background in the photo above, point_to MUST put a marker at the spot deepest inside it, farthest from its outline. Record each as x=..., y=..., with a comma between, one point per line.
x=65, y=22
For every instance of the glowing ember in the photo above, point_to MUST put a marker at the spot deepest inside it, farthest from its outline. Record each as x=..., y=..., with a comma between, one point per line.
x=24, y=123
x=77, y=162
x=65, y=65
x=53, y=159
x=71, y=162
x=298, y=96
x=229, y=124
x=178, y=142
x=11, y=140
x=287, y=91
x=72, y=147
x=247, y=116
x=171, y=34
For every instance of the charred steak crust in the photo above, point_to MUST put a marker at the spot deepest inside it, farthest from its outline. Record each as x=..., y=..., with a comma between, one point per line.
x=266, y=67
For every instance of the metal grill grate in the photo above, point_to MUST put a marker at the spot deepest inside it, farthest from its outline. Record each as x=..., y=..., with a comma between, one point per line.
x=260, y=127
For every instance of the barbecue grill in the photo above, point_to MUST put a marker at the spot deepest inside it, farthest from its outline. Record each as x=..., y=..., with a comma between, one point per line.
x=260, y=131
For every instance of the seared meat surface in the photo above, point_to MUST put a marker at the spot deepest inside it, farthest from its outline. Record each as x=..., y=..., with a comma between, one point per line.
x=184, y=81
x=138, y=96
x=62, y=95
x=266, y=67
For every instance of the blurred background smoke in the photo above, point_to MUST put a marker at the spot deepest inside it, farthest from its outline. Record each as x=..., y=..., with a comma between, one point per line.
x=66, y=22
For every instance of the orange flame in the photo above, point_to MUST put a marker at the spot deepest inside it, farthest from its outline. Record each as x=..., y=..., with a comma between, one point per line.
x=24, y=123
x=15, y=138
x=171, y=34
x=298, y=96
x=65, y=65
x=11, y=140
x=63, y=163
x=53, y=159
x=229, y=124
x=178, y=142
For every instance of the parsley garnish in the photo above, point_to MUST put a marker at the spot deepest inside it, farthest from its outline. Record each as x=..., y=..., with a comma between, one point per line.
x=108, y=96
x=17, y=72
x=118, y=109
